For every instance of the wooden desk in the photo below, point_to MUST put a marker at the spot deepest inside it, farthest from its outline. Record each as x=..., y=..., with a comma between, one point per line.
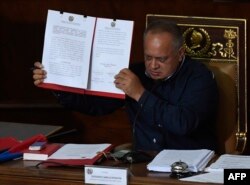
x=22, y=131
x=25, y=173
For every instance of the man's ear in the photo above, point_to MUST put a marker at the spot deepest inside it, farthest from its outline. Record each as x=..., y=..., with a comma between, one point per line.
x=181, y=53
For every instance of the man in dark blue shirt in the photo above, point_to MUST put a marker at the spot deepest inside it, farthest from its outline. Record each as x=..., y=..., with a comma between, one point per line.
x=171, y=100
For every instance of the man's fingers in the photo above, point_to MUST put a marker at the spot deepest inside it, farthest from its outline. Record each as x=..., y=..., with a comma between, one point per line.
x=38, y=65
x=120, y=76
x=38, y=82
x=123, y=73
x=121, y=81
x=39, y=76
x=39, y=72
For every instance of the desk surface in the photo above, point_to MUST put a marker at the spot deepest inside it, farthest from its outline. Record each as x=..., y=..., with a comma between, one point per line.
x=22, y=131
x=25, y=173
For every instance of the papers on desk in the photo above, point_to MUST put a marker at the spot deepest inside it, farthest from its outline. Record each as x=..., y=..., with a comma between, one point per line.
x=212, y=177
x=216, y=169
x=42, y=154
x=79, y=154
x=195, y=159
x=78, y=151
x=228, y=161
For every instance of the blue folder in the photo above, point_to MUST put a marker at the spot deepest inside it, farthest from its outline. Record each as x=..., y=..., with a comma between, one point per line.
x=7, y=156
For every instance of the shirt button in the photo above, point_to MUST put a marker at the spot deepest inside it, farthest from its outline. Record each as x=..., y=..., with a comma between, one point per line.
x=154, y=140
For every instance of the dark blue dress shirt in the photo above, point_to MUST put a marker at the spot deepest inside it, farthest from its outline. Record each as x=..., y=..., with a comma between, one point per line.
x=175, y=113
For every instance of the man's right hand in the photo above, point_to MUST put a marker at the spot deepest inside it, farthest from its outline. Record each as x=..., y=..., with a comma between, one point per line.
x=129, y=83
x=39, y=74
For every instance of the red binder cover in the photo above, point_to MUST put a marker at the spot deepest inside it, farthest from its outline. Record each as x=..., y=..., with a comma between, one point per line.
x=78, y=162
x=7, y=142
x=80, y=91
x=17, y=149
x=20, y=147
x=41, y=154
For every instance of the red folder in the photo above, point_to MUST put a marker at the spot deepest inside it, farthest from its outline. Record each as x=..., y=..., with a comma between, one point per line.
x=17, y=149
x=78, y=162
x=80, y=91
x=7, y=142
x=20, y=147
x=41, y=154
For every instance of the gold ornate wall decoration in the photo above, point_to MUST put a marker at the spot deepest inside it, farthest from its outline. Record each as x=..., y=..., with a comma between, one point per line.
x=197, y=42
x=218, y=48
x=228, y=51
x=230, y=35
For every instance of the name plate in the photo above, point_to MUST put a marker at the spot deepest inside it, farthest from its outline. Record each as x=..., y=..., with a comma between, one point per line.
x=105, y=175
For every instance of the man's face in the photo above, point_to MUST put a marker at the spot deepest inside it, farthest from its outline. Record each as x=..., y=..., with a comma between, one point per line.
x=161, y=57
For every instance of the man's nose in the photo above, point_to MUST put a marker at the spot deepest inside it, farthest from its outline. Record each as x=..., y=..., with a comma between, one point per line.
x=154, y=63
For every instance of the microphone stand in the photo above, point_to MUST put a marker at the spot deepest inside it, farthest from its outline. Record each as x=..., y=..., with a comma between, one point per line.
x=157, y=83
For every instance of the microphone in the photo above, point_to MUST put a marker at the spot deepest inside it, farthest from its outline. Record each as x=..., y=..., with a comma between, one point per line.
x=157, y=83
x=137, y=156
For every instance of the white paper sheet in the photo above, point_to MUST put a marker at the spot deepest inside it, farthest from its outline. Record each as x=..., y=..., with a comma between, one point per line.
x=67, y=48
x=79, y=151
x=212, y=177
x=111, y=52
x=228, y=161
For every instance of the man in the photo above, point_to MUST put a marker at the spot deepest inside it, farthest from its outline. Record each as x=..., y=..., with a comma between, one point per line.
x=171, y=100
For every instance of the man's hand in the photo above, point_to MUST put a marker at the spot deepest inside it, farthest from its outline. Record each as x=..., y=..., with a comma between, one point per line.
x=129, y=83
x=39, y=74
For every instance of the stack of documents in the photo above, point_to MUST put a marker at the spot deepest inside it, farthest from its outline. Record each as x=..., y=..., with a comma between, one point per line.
x=195, y=159
x=229, y=161
x=79, y=154
x=216, y=169
x=42, y=154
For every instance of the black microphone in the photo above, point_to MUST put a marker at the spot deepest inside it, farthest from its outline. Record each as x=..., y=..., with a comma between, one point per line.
x=137, y=156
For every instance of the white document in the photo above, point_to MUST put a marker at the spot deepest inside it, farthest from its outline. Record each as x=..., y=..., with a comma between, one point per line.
x=211, y=177
x=228, y=161
x=195, y=159
x=111, y=53
x=67, y=48
x=79, y=151
x=84, y=52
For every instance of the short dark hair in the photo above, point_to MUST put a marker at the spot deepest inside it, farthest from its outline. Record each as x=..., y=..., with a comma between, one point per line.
x=163, y=25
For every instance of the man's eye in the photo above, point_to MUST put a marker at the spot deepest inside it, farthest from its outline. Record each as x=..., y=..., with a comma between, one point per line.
x=162, y=59
x=148, y=58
